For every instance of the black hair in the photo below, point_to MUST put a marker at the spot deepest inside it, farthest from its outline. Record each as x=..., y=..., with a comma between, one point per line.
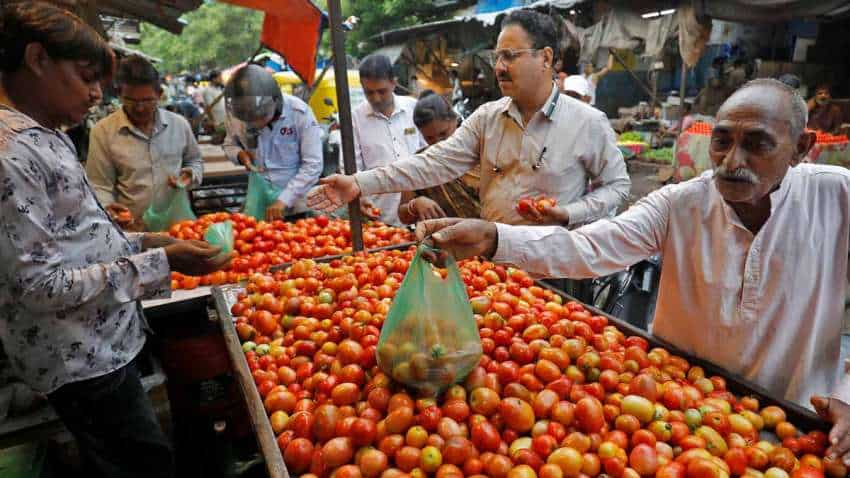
x=62, y=34
x=377, y=67
x=539, y=27
x=791, y=80
x=136, y=71
x=430, y=107
x=824, y=86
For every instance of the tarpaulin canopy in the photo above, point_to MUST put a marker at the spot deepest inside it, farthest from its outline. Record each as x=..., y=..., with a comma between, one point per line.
x=293, y=29
x=772, y=10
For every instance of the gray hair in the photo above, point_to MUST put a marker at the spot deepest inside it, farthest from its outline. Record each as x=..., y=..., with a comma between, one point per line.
x=799, y=110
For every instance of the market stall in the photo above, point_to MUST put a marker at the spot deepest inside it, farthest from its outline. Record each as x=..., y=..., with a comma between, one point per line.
x=303, y=376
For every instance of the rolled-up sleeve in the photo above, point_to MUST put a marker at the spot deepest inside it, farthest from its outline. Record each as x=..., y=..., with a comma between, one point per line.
x=192, y=158
x=439, y=164
x=594, y=250
x=604, y=164
x=46, y=283
x=310, y=167
x=100, y=169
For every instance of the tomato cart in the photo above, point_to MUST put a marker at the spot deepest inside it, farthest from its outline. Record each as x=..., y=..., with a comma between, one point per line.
x=276, y=433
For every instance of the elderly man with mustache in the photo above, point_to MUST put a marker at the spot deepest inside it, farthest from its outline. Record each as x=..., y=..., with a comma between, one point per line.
x=533, y=142
x=755, y=254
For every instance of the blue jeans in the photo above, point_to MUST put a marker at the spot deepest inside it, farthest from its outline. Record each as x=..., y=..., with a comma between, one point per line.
x=114, y=423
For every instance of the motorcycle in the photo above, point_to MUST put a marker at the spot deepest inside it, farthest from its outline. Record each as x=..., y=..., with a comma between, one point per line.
x=630, y=295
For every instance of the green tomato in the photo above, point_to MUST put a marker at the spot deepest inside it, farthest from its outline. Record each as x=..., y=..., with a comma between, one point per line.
x=248, y=346
x=693, y=418
x=262, y=349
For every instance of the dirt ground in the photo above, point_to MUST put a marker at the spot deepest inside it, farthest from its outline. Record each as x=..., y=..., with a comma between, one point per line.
x=644, y=179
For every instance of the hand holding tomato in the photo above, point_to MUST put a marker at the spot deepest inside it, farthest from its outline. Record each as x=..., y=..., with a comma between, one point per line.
x=838, y=413
x=275, y=210
x=543, y=210
x=462, y=238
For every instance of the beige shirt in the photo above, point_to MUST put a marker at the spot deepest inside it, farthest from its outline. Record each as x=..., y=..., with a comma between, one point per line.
x=379, y=141
x=126, y=166
x=768, y=307
x=565, y=145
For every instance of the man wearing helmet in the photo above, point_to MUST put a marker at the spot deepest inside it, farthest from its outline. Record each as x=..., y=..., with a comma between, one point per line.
x=272, y=133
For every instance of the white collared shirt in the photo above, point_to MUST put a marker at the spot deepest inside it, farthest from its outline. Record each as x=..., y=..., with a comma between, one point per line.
x=380, y=141
x=768, y=307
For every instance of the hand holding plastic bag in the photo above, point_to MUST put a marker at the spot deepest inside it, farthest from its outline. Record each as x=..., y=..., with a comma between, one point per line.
x=168, y=207
x=261, y=194
x=429, y=339
x=220, y=234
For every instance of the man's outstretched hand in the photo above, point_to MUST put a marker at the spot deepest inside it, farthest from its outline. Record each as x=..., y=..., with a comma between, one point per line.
x=333, y=192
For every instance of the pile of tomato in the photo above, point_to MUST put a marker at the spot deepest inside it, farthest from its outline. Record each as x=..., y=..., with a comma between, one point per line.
x=259, y=245
x=558, y=392
x=826, y=138
x=700, y=128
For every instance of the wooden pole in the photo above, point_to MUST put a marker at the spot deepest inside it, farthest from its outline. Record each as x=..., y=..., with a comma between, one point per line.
x=684, y=78
x=344, y=106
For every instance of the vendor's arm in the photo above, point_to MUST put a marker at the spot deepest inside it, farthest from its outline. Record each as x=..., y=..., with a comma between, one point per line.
x=439, y=164
x=604, y=163
x=608, y=67
x=598, y=249
x=311, y=160
x=193, y=162
x=47, y=284
x=100, y=169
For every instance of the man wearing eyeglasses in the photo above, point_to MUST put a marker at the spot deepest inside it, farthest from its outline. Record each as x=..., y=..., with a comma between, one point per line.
x=138, y=151
x=533, y=142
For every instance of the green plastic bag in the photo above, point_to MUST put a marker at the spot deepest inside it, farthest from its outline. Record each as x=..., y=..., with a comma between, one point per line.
x=429, y=340
x=220, y=234
x=261, y=194
x=167, y=208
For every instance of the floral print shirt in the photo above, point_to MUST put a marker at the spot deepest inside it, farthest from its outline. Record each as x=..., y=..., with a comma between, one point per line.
x=70, y=279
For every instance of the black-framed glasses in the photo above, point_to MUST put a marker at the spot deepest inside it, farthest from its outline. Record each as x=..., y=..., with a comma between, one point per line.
x=509, y=55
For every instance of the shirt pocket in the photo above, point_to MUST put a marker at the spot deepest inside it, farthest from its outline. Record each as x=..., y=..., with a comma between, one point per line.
x=559, y=174
x=287, y=150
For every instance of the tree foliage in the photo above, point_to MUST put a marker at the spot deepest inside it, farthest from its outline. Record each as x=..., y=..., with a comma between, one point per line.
x=379, y=16
x=217, y=35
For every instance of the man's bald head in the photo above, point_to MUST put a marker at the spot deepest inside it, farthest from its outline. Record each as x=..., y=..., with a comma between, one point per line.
x=759, y=135
x=763, y=93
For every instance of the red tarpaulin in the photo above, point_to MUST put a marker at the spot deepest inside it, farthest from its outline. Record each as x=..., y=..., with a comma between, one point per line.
x=292, y=29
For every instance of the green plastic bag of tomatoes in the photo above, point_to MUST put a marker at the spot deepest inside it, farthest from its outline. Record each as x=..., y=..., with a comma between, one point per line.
x=261, y=194
x=220, y=234
x=168, y=207
x=429, y=340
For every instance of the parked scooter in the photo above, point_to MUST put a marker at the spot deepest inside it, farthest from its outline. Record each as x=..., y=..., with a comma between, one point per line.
x=630, y=295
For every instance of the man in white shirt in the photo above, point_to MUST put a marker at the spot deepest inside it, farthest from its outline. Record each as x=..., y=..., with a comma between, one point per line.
x=532, y=142
x=384, y=131
x=755, y=254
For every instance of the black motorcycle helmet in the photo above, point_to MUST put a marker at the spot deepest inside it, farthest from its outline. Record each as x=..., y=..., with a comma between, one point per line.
x=253, y=96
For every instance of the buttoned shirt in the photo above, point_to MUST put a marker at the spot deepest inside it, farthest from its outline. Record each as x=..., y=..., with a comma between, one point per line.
x=128, y=167
x=71, y=279
x=289, y=149
x=768, y=306
x=565, y=144
x=381, y=141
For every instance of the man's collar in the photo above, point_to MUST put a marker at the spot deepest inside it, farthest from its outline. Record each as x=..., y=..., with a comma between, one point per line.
x=398, y=108
x=160, y=121
x=548, y=108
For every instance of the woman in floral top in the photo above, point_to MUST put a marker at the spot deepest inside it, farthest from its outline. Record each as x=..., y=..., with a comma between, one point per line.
x=71, y=281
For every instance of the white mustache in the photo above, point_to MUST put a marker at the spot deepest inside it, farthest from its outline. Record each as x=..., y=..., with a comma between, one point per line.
x=740, y=174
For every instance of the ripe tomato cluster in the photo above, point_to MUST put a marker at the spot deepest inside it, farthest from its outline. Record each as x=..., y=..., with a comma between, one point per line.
x=559, y=392
x=525, y=205
x=826, y=138
x=260, y=244
x=700, y=128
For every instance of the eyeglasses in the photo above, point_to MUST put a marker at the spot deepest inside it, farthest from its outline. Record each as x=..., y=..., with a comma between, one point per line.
x=509, y=55
x=132, y=102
